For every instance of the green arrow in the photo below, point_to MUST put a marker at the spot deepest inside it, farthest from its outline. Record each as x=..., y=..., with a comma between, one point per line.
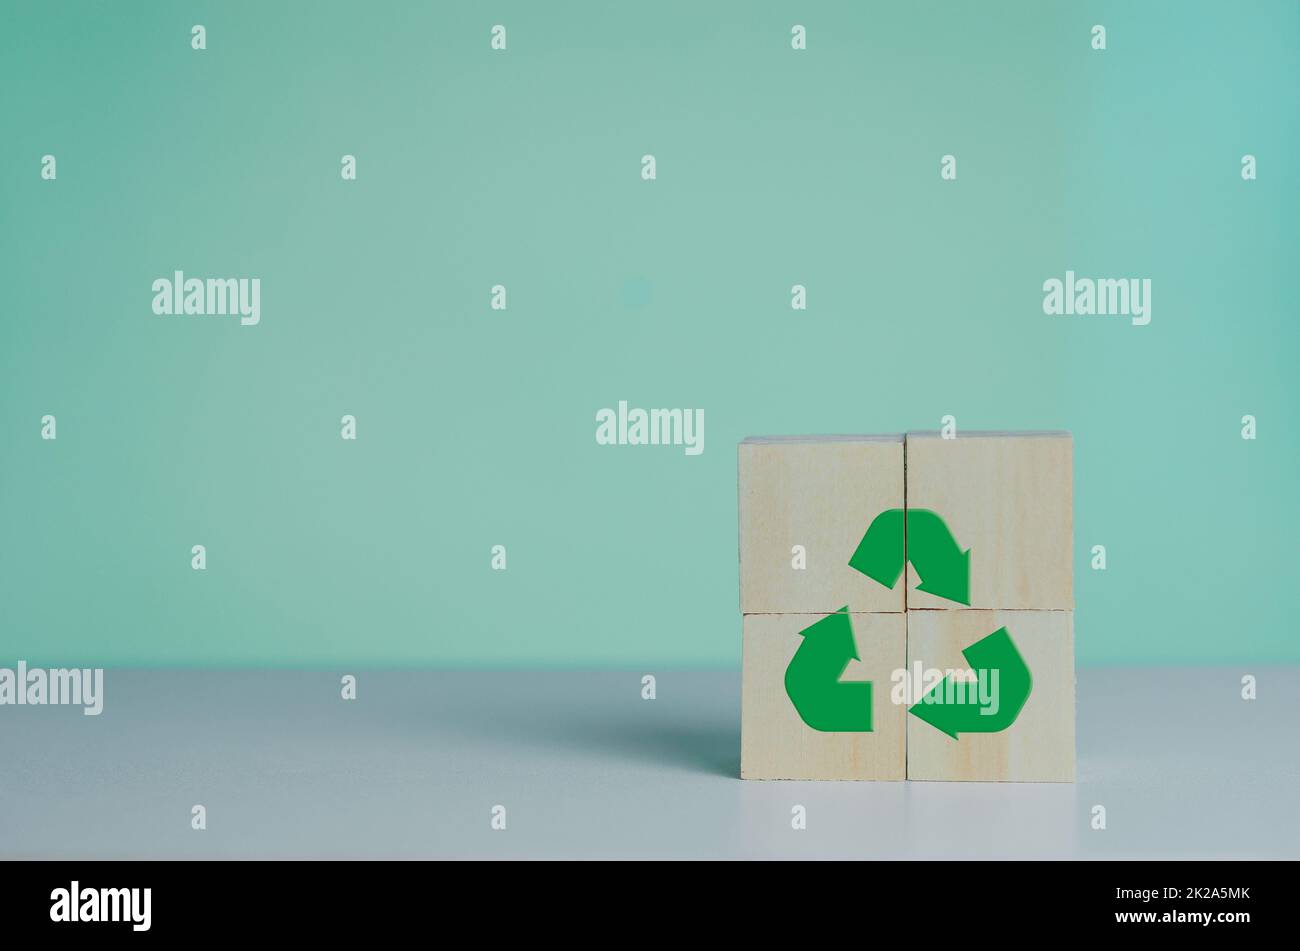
x=944, y=568
x=881, y=553
x=919, y=536
x=813, y=678
x=967, y=714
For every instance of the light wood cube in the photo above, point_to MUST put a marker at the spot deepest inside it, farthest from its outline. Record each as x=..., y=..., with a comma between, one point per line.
x=1008, y=498
x=820, y=493
x=776, y=742
x=1039, y=745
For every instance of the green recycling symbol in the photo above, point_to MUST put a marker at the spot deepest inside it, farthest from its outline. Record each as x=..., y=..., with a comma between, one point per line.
x=828, y=705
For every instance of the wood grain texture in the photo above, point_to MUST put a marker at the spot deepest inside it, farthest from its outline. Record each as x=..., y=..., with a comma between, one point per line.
x=1039, y=745
x=776, y=744
x=1009, y=498
x=820, y=492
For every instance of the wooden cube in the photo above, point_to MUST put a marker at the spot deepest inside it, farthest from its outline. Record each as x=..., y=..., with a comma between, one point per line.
x=819, y=493
x=776, y=741
x=1038, y=746
x=1008, y=499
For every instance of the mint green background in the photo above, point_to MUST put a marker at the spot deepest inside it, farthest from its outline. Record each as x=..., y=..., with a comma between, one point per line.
x=476, y=427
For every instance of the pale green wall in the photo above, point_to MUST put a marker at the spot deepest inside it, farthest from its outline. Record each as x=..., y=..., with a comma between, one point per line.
x=775, y=167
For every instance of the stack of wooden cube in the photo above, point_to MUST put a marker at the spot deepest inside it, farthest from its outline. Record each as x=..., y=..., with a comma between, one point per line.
x=805, y=505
